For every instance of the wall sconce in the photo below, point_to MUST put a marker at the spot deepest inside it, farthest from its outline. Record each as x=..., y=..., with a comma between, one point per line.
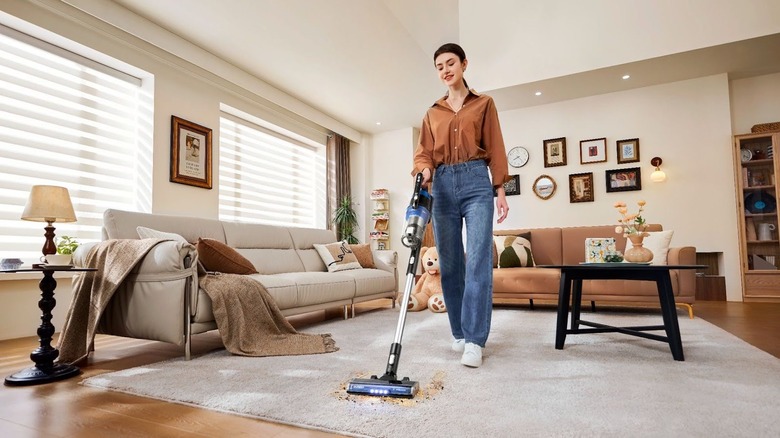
x=658, y=175
x=49, y=204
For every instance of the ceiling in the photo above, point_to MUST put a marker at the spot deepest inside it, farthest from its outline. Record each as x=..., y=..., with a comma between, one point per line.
x=368, y=63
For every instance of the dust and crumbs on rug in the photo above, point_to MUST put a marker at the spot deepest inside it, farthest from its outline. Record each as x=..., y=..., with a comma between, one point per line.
x=427, y=393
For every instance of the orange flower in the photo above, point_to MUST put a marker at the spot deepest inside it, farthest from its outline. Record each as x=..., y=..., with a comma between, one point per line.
x=630, y=223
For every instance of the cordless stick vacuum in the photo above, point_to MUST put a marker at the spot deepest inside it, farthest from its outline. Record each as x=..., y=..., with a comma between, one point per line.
x=417, y=215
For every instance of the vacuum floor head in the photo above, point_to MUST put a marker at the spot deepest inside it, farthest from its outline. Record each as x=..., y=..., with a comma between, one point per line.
x=383, y=388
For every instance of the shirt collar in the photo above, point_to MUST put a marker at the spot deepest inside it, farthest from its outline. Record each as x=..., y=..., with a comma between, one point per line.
x=447, y=94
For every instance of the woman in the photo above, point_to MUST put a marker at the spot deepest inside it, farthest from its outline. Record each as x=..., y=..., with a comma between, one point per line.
x=461, y=141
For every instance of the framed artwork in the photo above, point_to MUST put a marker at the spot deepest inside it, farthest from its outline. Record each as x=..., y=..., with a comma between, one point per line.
x=581, y=187
x=593, y=150
x=555, y=152
x=511, y=187
x=190, y=153
x=628, y=151
x=624, y=180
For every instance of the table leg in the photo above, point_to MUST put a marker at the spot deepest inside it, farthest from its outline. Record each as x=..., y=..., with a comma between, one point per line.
x=576, y=303
x=45, y=370
x=564, y=292
x=669, y=312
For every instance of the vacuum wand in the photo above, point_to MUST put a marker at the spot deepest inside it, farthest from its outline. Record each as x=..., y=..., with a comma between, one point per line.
x=417, y=216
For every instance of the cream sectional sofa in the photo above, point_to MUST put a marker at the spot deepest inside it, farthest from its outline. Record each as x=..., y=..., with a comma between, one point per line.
x=556, y=246
x=161, y=299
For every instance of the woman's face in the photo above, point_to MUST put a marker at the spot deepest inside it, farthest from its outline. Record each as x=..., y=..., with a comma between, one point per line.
x=450, y=68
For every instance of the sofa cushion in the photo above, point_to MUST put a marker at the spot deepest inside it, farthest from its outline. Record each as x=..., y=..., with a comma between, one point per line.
x=658, y=242
x=337, y=256
x=514, y=251
x=363, y=254
x=218, y=257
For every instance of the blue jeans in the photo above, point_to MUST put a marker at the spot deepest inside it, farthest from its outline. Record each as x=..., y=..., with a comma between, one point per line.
x=463, y=192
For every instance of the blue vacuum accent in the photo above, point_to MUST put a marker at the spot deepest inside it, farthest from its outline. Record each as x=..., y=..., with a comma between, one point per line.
x=417, y=216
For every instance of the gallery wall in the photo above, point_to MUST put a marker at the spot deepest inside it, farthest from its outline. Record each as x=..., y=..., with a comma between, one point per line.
x=687, y=124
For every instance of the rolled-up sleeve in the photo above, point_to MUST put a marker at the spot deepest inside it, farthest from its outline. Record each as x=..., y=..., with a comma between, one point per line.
x=493, y=144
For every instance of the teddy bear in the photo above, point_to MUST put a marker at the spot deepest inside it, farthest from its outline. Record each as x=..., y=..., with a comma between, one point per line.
x=427, y=290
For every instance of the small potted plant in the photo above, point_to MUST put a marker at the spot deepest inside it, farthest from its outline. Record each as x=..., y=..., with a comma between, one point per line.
x=66, y=246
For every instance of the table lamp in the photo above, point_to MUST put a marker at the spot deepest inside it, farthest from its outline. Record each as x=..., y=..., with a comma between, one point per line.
x=49, y=204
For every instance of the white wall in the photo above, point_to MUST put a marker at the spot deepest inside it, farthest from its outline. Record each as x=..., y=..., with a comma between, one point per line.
x=562, y=37
x=753, y=101
x=685, y=123
x=390, y=163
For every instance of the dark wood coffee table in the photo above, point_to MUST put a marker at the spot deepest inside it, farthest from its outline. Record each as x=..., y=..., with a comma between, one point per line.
x=571, y=288
x=45, y=369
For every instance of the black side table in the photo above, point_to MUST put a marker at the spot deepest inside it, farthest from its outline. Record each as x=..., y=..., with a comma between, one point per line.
x=45, y=369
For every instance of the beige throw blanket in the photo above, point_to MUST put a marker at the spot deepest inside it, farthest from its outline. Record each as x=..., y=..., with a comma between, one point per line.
x=251, y=323
x=114, y=259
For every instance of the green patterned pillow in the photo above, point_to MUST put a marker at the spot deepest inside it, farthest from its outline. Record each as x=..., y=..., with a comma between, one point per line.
x=514, y=251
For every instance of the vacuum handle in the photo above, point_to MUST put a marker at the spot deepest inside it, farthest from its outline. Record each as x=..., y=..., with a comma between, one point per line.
x=417, y=187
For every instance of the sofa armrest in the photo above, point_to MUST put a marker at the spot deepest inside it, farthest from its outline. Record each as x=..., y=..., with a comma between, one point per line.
x=151, y=301
x=385, y=259
x=684, y=255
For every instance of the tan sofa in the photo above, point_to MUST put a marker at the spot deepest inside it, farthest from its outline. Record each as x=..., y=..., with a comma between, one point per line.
x=556, y=246
x=161, y=299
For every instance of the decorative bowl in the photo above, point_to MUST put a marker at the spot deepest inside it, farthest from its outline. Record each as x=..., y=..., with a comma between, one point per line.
x=11, y=264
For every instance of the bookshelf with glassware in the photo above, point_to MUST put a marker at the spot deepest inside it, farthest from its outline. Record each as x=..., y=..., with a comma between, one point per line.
x=757, y=193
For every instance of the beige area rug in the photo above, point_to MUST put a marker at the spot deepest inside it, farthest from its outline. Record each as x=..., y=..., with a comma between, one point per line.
x=598, y=385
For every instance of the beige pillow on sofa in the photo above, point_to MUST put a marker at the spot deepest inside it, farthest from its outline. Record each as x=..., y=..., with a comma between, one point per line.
x=337, y=256
x=658, y=242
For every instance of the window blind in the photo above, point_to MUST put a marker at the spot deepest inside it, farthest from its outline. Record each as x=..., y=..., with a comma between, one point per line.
x=267, y=177
x=67, y=121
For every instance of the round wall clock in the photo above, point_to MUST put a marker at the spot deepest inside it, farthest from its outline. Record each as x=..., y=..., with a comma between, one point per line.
x=517, y=156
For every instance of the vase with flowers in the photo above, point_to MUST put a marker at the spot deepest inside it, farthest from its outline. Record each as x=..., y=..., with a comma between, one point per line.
x=633, y=227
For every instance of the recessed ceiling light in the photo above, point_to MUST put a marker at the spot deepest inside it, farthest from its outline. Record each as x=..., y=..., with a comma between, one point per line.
x=378, y=123
x=538, y=93
x=626, y=77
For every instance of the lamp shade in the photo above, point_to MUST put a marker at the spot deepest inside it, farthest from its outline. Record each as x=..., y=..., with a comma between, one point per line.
x=49, y=204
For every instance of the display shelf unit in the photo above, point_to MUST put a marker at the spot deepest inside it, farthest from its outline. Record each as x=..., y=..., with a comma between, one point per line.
x=380, y=236
x=756, y=167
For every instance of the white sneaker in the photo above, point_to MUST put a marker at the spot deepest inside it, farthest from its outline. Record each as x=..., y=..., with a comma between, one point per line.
x=458, y=344
x=472, y=355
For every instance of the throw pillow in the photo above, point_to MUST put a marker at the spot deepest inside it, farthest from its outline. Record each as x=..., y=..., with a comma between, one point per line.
x=148, y=233
x=514, y=251
x=363, y=254
x=219, y=257
x=658, y=242
x=337, y=256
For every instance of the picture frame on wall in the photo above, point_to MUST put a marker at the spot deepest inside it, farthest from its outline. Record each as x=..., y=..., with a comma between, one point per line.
x=628, y=151
x=554, y=152
x=190, y=153
x=624, y=180
x=581, y=187
x=593, y=150
x=511, y=187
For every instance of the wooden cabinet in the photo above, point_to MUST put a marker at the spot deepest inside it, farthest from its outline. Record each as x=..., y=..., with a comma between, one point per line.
x=756, y=169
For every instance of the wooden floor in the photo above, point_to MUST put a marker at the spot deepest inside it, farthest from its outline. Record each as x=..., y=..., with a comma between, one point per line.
x=67, y=409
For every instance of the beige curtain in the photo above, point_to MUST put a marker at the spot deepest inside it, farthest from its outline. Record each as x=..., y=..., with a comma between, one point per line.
x=338, y=173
